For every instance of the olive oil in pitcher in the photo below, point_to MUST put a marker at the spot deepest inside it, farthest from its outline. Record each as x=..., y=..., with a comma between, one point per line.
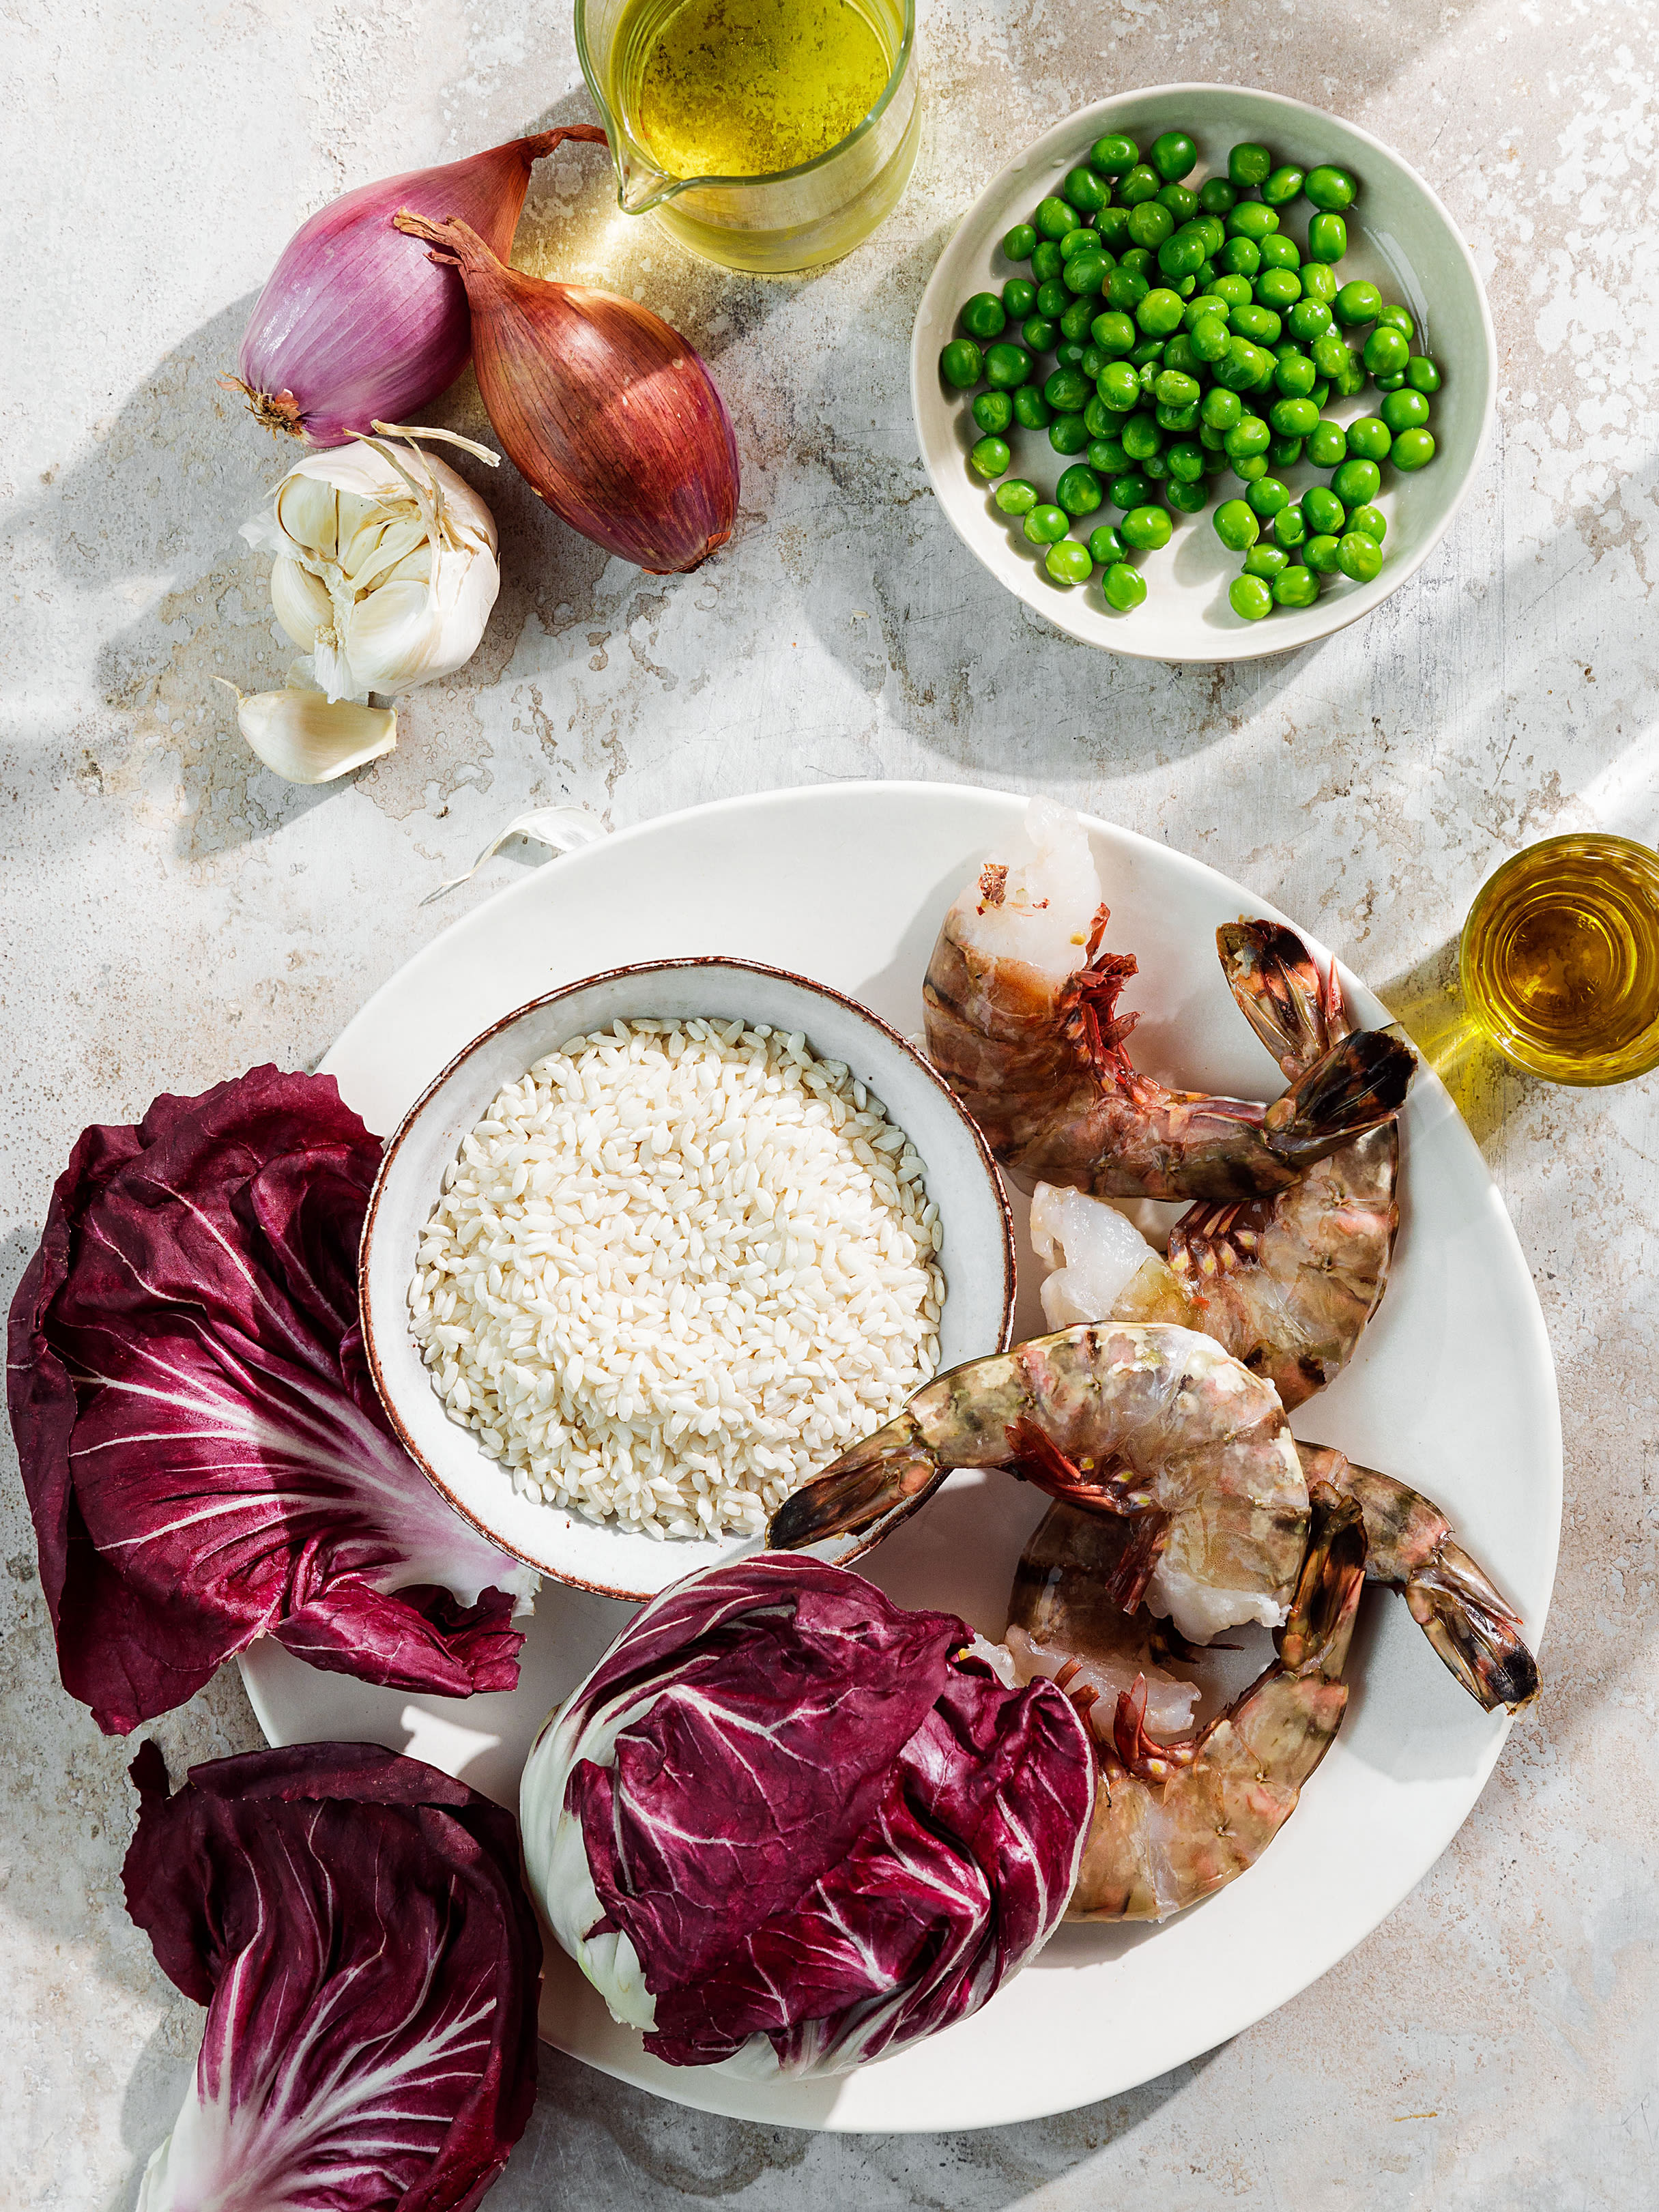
x=746, y=87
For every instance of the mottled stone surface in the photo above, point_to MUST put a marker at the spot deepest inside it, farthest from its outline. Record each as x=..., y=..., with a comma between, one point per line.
x=172, y=913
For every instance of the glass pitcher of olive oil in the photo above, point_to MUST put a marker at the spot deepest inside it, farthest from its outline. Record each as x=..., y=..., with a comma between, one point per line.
x=768, y=135
x=1559, y=959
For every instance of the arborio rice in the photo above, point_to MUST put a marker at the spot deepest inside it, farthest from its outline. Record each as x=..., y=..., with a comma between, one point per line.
x=677, y=1268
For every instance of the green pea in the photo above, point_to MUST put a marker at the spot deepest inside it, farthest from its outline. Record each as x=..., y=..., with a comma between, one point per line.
x=1236, y=526
x=961, y=364
x=1113, y=155
x=1186, y=498
x=1107, y=457
x=991, y=457
x=1278, y=288
x=1068, y=562
x=1296, y=377
x=1031, y=411
x=1356, y=481
x=1129, y=491
x=1085, y=189
x=1358, y=303
x=1018, y=298
x=1178, y=353
x=1258, y=323
x=1079, y=315
x=1119, y=386
x=1209, y=338
x=1404, y=411
x=1216, y=195
x=1266, y=496
x=1155, y=468
x=1232, y=290
x=1140, y=436
x=1176, y=390
x=1080, y=240
x=1296, y=587
x=1211, y=229
x=1250, y=597
x=1294, y=418
x=1016, y=497
x=1249, y=166
x=1149, y=224
x=1145, y=528
x=1371, y=520
x=1047, y=263
x=1067, y=391
x=984, y=316
x=1239, y=257
x=1183, y=255
x=1184, y=286
x=1053, y=299
x=1123, y=588
x=1251, y=219
x=1280, y=252
x=1386, y=353
x=1282, y=186
x=1068, y=354
x=1092, y=362
x=1054, y=218
x=1148, y=353
x=1019, y=243
x=1290, y=526
x=1327, y=238
x=1370, y=438
x=1068, y=434
x=1325, y=511
x=1112, y=227
x=1421, y=374
x=1214, y=443
x=1140, y=185
x=1186, y=460
x=1390, y=383
x=1098, y=419
x=1309, y=319
x=1105, y=545
x=1159, y=314
x=1265, y=561
x=1221, y=409
x=1181, y=204
x=1249, y=434
x=1126, y=288
x=1330, y=188
x=1351, y=378
x=1328, y=444
x=1320, y=553
x=1359, y=556
x=1173, y=155
x=1241, y=364
x=1007, y=366
x=1285, y=453
x=1319, y=282
x=1113, y=332
x=993, y=412
x=1414, y=449
x=1037, y=332
x=1180, y=420
x=1330, y=353
x=1080, y=490
x=1320, y=393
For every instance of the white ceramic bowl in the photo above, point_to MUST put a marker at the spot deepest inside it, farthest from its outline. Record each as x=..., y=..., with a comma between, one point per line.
x=1399, y=235
x=977, y=1254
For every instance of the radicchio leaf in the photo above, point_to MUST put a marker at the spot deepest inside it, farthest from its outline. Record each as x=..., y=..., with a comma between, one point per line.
x=205, y=1458
x=786, y=1824
x=356, y=1925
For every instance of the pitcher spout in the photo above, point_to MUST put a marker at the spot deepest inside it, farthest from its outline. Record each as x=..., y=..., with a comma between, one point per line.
x=639, y=186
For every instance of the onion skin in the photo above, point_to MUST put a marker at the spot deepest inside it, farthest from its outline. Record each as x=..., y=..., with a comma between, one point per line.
x=353, y=324
x=608, y=413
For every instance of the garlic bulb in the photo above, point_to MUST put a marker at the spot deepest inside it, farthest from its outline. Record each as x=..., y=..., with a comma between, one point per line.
x=385, y=563
x=303, y=737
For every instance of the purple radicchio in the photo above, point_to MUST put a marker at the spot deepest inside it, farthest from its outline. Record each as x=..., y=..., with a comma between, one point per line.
x=787, y=1825
x=356, y=1925
x=205, y=1458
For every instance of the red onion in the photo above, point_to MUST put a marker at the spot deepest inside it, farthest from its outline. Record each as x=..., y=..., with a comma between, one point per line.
x=353, y=324
x=609, y=413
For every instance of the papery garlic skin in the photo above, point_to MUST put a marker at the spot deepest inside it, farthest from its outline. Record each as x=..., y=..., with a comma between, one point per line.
x=305, y=738
x=386, y=566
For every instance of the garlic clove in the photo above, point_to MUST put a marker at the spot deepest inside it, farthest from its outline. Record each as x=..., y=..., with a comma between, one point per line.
x=305, y=738
x=301, y=602
x=307, y=513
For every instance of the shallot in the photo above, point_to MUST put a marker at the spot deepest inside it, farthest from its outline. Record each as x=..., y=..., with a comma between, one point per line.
x=353, y=323
x=607, y=412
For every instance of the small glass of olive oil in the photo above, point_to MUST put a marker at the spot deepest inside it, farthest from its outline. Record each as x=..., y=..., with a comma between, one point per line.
x=1559, y=959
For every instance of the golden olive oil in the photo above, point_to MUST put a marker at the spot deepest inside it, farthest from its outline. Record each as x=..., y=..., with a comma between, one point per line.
x=1560, y=959
x=747, y=87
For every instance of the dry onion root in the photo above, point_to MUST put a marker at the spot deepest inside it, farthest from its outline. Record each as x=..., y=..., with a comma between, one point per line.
x=608, y=412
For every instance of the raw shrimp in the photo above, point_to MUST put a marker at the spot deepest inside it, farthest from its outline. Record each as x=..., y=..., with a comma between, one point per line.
x=1409, y=1547
x=1287, y=1282
x=1174, y=1821
x=1101, y=1267
x=1022, y=1021
x=1153, y=1423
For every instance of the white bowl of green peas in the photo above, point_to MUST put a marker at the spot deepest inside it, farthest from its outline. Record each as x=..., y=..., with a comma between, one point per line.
x=1204, y=374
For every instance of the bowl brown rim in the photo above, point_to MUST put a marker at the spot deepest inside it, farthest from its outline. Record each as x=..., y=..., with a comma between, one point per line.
x=394, y=1143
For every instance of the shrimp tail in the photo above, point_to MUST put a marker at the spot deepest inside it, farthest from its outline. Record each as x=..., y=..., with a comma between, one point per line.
x=1472, y=1625
x=1359, y=1083
x=868, y=1490
x=1296, y=1014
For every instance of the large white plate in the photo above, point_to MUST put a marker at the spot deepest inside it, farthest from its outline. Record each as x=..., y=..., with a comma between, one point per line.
x=1454, y=1390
